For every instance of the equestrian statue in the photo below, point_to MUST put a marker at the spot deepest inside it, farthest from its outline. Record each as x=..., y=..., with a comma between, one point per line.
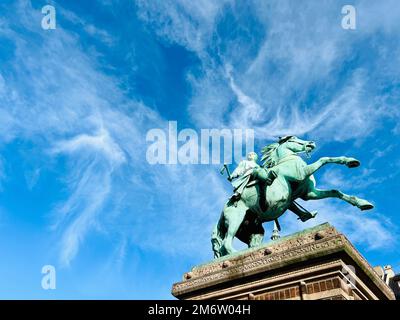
x=262, y=193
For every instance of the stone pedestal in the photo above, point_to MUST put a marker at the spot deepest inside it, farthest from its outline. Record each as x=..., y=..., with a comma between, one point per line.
x=317, y=263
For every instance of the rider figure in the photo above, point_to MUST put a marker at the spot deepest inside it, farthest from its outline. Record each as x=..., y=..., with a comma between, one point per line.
x=245, y=171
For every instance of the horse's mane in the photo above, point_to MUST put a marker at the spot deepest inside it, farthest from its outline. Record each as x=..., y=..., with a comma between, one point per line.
x=268, y=157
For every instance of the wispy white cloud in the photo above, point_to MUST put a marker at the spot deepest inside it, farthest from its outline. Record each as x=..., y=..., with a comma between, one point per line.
x=303, y=47
x=371, y=229
x=91, y=29
x=32, y=177
x=102, y=142
x=85, y=203
x=336, y=179
x=249, y=111
x=189, y=23
x=68, y=103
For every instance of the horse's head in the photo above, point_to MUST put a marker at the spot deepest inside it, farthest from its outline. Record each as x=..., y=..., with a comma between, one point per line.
x=297, y=145
x=286, y=146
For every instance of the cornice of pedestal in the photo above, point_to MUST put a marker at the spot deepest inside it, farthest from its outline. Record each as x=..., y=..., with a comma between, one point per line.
x=317, y=242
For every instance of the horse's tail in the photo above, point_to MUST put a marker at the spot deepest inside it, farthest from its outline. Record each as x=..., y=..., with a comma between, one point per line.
x=217, y=236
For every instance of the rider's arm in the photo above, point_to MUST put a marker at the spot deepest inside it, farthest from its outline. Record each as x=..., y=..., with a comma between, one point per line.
x=239, y=170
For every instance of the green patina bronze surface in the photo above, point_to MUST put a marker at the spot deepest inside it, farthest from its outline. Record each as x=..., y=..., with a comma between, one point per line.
x=264, y=192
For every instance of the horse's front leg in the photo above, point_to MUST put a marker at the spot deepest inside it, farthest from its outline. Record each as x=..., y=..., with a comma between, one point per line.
x=350, y=162
x=316, y=194
x=234, y=216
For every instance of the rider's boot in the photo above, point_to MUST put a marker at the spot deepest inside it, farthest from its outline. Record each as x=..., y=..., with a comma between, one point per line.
x=302, y=213
x=235, y=197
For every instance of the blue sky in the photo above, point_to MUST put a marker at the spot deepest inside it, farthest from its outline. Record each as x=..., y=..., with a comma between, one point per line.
x=76, y=103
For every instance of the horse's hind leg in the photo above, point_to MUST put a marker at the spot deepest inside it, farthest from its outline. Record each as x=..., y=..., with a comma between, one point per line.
x=257, y=236
x=251, y=231
x=233, y=218
x=316, y=194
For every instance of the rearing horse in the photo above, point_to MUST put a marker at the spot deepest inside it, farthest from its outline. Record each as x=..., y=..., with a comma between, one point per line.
x=294, y=180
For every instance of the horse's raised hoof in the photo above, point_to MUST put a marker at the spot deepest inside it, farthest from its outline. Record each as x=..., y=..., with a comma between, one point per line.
x=314, y=213
x=364, y=205
x=308, y=216
x=352, y=163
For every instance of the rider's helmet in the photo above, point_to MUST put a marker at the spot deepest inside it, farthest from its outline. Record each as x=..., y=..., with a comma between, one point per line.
x=252, y=156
